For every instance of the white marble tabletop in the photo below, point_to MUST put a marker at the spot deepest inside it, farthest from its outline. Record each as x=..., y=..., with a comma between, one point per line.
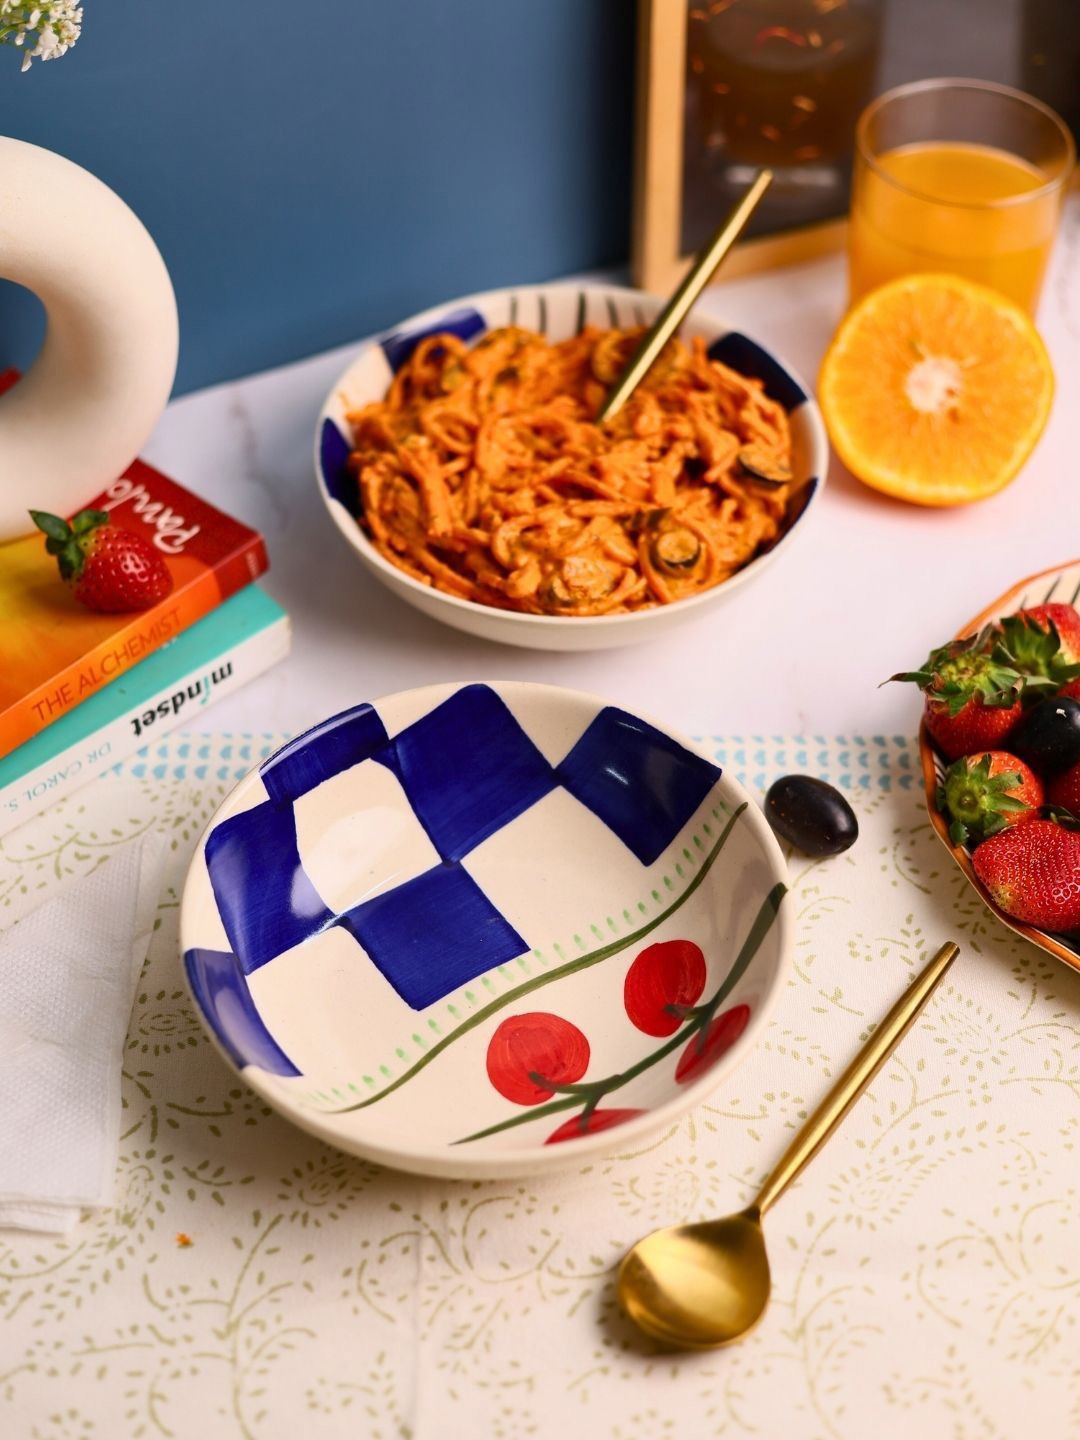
x=870, y=585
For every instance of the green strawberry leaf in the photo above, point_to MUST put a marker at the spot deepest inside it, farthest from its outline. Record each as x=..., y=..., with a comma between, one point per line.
x=1033, y=649
x=1061, y=815
x=922, y=678
x=1008, y=780
x=52, y=525
x=89, y=520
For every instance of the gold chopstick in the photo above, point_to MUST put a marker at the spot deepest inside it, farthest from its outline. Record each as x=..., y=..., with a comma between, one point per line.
x=675, y=311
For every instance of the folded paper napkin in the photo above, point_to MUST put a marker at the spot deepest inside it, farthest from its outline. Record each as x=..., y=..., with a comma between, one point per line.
x=67, y=980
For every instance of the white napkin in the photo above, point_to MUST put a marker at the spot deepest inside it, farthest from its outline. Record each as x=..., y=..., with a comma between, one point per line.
x=67, y=981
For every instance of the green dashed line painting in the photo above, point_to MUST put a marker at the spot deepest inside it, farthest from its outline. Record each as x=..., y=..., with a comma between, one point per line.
x=502, y=984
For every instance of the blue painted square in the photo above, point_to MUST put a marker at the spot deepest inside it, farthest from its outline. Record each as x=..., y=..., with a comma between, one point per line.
x=432, y=934
x=740, y=353
x=642, y=784
x=322, y=752
x=334, y=452
x=218, y=984
x=468, y=768
x=464, y=323
x=266, y=901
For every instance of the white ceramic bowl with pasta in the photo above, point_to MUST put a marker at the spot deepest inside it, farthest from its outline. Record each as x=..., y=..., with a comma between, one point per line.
x=558, y=312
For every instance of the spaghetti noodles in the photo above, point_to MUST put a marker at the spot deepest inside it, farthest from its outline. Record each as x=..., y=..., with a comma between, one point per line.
x=482, y=473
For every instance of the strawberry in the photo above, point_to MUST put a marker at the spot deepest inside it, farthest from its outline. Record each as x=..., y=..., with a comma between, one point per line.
x=1042, y=642
x=1071, y=689
x=1064, y=790
x=983, y=793
x=976, y=725
x=1032, y=871
x=972, y=695
x=109, y=570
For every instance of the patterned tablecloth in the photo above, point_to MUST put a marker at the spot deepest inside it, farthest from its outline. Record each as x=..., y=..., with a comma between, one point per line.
x=252, y=1283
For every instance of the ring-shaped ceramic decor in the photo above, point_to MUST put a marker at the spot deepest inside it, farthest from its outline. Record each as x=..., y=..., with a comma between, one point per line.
x=1059, y=584
x=558, y=311
x=485, y=929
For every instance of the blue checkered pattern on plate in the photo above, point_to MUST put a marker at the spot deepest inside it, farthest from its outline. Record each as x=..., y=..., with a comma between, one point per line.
x=466, y=770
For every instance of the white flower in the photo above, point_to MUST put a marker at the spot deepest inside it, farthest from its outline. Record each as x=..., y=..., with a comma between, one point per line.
x=52, y=27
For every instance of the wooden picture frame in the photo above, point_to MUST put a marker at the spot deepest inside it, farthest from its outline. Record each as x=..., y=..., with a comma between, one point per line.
x=656, y=262
x=1026, y=59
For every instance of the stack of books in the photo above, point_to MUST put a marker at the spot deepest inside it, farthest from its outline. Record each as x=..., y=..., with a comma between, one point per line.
x=80, y=690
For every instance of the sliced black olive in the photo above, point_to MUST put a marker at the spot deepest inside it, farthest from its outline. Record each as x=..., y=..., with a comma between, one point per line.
x=645, y=520
x=811, y=815
x=675, y=550
x=762, y=467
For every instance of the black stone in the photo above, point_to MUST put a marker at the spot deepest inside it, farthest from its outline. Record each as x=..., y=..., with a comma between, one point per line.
x=811, y=815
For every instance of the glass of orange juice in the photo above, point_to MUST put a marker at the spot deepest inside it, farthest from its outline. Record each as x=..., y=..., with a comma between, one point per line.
x=962, y=176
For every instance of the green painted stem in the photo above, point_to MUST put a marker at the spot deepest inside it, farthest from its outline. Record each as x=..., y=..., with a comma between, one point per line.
x=570, y=968
x=597, y=1089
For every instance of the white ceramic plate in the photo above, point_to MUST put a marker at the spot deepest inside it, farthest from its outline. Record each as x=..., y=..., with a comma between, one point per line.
x=558, y=311
x=444, y=930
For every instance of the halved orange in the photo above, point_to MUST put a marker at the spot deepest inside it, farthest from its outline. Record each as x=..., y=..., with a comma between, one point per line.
x=936, y=390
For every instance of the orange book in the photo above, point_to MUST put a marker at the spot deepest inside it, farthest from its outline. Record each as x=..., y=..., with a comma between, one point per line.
x=54, y=653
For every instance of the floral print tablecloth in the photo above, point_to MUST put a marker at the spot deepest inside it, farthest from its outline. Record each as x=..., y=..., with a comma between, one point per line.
x=250, y=1282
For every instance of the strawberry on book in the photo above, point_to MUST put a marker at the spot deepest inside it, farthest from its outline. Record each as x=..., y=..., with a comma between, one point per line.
x=108, y=569
x=55, y=653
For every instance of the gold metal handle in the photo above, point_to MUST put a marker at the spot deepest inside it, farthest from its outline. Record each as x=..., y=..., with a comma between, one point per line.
x=675, y=311
x=855, y=1078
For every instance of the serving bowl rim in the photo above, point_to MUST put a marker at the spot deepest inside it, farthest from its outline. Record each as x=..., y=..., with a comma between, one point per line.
x=353, y=532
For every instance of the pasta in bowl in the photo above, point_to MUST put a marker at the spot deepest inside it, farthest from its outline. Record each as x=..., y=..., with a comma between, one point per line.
x=460, y=457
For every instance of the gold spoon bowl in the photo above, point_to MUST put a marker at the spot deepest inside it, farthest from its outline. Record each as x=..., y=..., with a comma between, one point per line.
x=697, y=1287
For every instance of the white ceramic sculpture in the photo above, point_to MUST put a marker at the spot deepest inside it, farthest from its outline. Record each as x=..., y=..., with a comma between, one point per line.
x=95, y=392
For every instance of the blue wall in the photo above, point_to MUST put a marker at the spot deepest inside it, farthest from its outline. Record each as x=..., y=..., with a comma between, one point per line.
x=310, y=183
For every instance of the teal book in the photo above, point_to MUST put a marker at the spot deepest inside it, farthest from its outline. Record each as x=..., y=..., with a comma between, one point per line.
x=240, y=639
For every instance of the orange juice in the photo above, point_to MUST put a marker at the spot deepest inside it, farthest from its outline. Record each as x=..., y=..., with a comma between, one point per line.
x=947, y=206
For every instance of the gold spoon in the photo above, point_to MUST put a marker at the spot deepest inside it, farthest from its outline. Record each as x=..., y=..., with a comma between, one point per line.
x=675, y=311
x=695, y=1287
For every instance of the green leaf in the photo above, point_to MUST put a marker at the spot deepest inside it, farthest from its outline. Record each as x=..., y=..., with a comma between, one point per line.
x=922, y=678
x=52, y=525
x=1034, y=649
x=1010, y=803
x=958, y=832
x=89, y=520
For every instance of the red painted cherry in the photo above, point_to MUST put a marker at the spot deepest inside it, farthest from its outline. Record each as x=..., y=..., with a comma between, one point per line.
x=537, y=1044
x=671, y=972
x=706, y=1049
x=578, y=1125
